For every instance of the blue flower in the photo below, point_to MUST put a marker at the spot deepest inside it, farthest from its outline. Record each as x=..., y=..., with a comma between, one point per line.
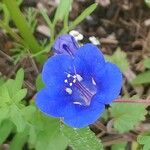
x=77, y=88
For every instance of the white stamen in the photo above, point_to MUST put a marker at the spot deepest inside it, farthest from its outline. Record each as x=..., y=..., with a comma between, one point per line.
x=79, y=77
x=70, y=84
x=74, y=76
x=69, y=91
x=68, y=75
x=94, y=40
x=77, y=35
x=94, y=83
x=66, y=81
x=77, y=103
x=74, y=81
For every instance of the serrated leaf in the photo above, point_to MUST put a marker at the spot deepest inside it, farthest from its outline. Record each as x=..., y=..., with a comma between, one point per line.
x=82, y=139
x=19, y=95
x=126, y=116
x=82, y=16
x=120, y=59
x=5, y=129
x=142, y=78
x=145, y=141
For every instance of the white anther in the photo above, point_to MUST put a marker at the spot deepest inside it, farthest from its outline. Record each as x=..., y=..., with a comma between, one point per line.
x=94, y=40
x=77, y=35
x=77, y=103
x=68, y=75
x=66, y=81
x=94, y=83
x=79, y=78
x=70, y=84
x=74, y=81
x=69, y=91
x=74, y=76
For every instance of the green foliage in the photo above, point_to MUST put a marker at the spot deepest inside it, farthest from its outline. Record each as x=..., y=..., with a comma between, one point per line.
x=62, y=9
x=19, y=140
x=120, y=59
x=147, y=63
x=82, y=139
x=143, y=78
x=45, y=132
x=145, y=141
x=5, y=129
x=126, y=116
x=11, y=95
x=22, y=25
x=31, y=18
x=39, y=82
x=147, y=3
x=119, y=146
x=82, y=16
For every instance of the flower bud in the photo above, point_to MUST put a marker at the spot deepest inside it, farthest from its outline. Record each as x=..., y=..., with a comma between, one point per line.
x=65, y=44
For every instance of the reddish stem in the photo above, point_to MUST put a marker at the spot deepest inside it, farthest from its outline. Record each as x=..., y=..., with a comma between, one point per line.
x=142, y=101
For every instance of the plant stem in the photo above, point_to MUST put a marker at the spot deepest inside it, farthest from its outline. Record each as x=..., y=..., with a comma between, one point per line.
x=13, y=34
x=22, y=25
x=141, y=101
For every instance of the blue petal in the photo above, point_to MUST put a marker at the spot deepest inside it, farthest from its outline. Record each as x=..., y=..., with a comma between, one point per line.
x=82, y=116
x=109, y=82
x=55, y=69
x=89, y=55
x=51, y=103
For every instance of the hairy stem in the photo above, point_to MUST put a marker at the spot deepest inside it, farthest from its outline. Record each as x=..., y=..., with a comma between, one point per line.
x=22, y=25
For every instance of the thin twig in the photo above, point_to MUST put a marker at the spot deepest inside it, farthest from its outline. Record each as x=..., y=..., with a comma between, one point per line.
x=141, y=101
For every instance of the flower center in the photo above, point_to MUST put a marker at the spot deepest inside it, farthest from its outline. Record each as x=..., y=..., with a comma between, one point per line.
x=76, y=81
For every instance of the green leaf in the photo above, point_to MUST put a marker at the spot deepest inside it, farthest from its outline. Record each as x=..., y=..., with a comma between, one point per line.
x=19, y=140
x=119, y=146
x=2, y=80
x=39, y=82
x=145, y=141
x=4, y=113
x=5, y=129
x=62, y=10
x=4, y=95
x=142, y=78
x=120, y=59
x=16, y=118
x=46, y=17
x=82, y=139
x=19, y=95
x=28, y=112
x=126, y=116
x=19, y=78
x=46, y=133
x=147, y=63
x=82, y=16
